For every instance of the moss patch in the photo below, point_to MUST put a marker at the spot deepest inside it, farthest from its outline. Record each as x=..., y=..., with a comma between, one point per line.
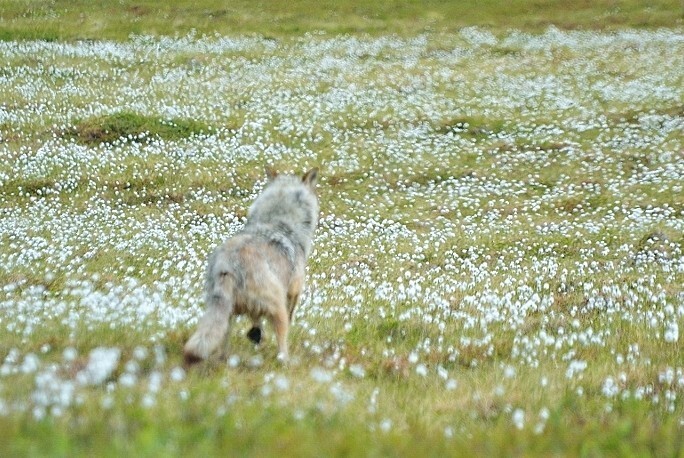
x=134, y=127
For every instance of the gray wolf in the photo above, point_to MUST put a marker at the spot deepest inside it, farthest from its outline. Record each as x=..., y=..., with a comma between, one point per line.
x=259, y=272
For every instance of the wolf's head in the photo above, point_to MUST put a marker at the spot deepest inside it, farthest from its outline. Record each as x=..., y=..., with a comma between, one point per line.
x=289, y=202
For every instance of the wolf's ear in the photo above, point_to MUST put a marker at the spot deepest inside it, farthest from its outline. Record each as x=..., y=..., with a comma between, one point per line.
x=311, y=177
x=271, y=173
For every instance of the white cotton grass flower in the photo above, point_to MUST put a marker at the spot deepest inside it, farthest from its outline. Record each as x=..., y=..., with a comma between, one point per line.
x=140, y=353
x=52, y=393
x=8, y=365
x=610, y=388
x=233, y=361
x=281, y=382
x=575, y=367
x=69, y=354
x=544, y=415
x=30, y=364
x=132, y=367
x=671, y=333
x=518, y=418
x=266, y=390
x=107, y=402
x=320, y=375
x=128, y=379
x=667, y=376
x=39, y=413
x=155, y=382
x=149, y=400
x=342, y=395
x=357, y=370
x=373, y=401
x=509, y=371
x=442, y=372
x=177, y=374
x=256, y=361
x=159, y=355
x=102, y=362
x=386, y=425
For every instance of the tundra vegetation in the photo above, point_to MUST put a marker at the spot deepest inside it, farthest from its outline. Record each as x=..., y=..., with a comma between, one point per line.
x=498, y=266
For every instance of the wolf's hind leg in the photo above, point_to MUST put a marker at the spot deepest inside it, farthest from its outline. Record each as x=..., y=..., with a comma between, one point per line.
x=294, y=291
x=292, y=300
x=281, y=323
x=213, y=326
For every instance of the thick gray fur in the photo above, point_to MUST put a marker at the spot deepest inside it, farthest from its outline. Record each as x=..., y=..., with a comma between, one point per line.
x=260, y=271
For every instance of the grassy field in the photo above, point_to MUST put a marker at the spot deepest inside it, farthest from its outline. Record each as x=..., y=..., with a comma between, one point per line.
x=499, y=262
x=85, y=19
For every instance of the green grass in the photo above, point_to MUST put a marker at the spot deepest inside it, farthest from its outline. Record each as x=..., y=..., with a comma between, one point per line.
x=70, y=20
x=480, y=234
x=134, y=127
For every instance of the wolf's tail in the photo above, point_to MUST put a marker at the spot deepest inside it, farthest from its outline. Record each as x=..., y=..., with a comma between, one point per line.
x=213, y=326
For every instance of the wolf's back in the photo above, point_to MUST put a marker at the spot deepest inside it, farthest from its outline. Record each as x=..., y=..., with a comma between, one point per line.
x=286, y=209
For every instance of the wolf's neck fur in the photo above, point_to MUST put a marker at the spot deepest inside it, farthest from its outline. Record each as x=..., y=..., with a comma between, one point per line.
x=286, y=214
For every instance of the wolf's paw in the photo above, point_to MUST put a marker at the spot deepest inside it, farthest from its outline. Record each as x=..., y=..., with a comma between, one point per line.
x=254, y=335
x=283, y=358
x=191, y=359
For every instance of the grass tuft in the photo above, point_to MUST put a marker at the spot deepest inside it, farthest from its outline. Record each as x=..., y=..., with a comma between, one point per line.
x=134, y=127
